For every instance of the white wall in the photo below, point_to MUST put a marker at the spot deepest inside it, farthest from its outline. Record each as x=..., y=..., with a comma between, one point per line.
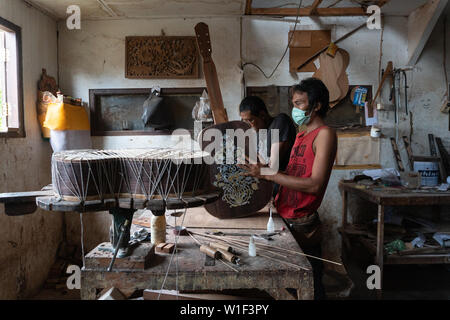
x=94, y=58
x=28, y=243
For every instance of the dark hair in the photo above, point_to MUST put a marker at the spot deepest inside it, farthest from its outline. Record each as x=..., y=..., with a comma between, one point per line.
x=317, y=93
x=253, y=104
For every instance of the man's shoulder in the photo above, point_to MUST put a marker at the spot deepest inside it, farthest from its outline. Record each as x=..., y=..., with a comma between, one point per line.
x=281, y=120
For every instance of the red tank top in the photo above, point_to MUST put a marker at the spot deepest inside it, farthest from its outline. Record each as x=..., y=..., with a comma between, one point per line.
x=295, y=204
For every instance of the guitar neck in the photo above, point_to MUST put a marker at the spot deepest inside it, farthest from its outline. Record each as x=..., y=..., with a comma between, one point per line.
x=212, y=82
x=214, y=93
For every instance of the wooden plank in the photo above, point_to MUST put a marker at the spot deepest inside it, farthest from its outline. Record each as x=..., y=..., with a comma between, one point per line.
x=139, y=258
x=314, y=6
x=21, y=197
x=421, y=23
x=324, y=12
x=432, y=146
x=304, y=44
x=398, y=158
x=396, y=196
x=445, y=158
x=409, y=152
x=248, y=7
x=357, y=167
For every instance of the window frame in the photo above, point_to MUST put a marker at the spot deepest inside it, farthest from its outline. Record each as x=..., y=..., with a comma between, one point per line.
x=20, y=131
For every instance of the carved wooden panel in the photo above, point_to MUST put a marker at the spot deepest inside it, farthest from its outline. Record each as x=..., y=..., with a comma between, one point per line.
x=161, y=57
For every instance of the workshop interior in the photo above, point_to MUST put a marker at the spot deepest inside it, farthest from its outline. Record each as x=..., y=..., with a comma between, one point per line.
x=224, y=150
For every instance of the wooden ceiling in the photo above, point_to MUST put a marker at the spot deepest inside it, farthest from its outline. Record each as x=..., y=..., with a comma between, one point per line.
x=130, y=9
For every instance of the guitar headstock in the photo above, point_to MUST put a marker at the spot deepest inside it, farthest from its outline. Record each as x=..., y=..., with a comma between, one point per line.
x=203, y=40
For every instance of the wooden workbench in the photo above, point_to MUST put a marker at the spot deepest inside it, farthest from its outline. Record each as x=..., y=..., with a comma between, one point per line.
x=382, y=197
x=255, y=273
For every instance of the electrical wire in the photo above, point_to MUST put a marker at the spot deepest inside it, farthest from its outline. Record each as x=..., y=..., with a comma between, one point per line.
x=285, y=51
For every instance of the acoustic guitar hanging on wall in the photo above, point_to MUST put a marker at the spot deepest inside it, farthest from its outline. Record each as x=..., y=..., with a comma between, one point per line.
x=241, y=196
x=332, y=72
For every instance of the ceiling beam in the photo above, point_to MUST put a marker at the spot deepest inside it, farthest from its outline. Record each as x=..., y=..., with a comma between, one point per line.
x=248, y=7
x=107, y=8
x=421, y=23
x=314, y=10
x=314, y=6
x=292, y=12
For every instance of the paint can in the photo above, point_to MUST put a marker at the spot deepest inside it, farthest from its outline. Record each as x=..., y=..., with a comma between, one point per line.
x=429, y=172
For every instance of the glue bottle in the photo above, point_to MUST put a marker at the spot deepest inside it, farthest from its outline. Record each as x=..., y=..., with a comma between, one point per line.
x=251, y=248
x=270, y=224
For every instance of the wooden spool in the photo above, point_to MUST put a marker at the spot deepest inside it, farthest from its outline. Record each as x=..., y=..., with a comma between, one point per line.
x=211, y=252
x=220, y=246
x=228, y=256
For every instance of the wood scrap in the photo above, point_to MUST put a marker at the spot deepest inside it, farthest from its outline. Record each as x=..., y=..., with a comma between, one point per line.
x=398, y=158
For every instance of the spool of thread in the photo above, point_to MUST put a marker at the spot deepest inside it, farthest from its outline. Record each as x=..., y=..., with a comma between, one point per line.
x=158, y=229
x=228, y=256
x=220, y=246
x=251, y=248
x=211, y=252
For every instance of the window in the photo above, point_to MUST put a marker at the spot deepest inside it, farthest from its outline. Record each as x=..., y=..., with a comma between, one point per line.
x=11, y=92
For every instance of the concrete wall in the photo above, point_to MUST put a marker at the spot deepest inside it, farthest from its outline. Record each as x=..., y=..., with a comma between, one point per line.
x=28, y=243
x=94, y=58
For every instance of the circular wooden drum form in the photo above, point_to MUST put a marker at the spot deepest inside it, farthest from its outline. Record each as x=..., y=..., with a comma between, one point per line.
x=130, y=176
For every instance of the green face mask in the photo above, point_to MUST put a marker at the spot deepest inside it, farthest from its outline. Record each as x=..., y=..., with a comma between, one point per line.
x=300, y=117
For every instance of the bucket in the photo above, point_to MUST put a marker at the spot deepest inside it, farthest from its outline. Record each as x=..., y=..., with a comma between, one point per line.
x=429, y=172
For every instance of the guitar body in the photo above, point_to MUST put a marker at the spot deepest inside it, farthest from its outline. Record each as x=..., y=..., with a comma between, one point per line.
x=241, y=196
x=343, y=78
x=329, y=72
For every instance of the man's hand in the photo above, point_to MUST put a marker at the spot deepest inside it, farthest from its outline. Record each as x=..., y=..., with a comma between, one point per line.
x=252, y=170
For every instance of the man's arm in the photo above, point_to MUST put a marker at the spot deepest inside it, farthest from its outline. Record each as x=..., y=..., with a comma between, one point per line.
x=326, y=147
x=278, y=151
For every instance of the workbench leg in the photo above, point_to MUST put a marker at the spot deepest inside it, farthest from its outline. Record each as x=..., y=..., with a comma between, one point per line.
x=344, y=222
x=380, y=246
x=306, y=291
x=88, y=293
x=344, y=208
x=280, y=294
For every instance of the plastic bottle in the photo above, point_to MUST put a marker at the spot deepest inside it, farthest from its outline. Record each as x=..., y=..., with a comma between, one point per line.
x=270, y=224
x=251, y=248
x=158, y=229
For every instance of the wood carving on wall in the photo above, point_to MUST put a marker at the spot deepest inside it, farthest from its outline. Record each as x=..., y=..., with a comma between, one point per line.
x=161, y=57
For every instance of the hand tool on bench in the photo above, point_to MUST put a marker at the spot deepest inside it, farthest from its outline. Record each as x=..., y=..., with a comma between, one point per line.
x=116, y=250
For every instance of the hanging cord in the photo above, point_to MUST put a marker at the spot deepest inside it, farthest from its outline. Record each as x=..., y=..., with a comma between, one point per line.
x=445, y=58
x=381, y=57
x=171, y=257
x=285, y=51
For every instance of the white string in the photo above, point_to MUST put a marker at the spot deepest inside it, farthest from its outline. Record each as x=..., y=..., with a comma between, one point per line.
x=171, y=257
x=82, y=239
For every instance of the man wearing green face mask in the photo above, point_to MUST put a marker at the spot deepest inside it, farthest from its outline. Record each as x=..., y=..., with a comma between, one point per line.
x=304, y=182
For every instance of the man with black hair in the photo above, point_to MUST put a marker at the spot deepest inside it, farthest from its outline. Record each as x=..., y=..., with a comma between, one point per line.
x=254, y=111
x=303, y=184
